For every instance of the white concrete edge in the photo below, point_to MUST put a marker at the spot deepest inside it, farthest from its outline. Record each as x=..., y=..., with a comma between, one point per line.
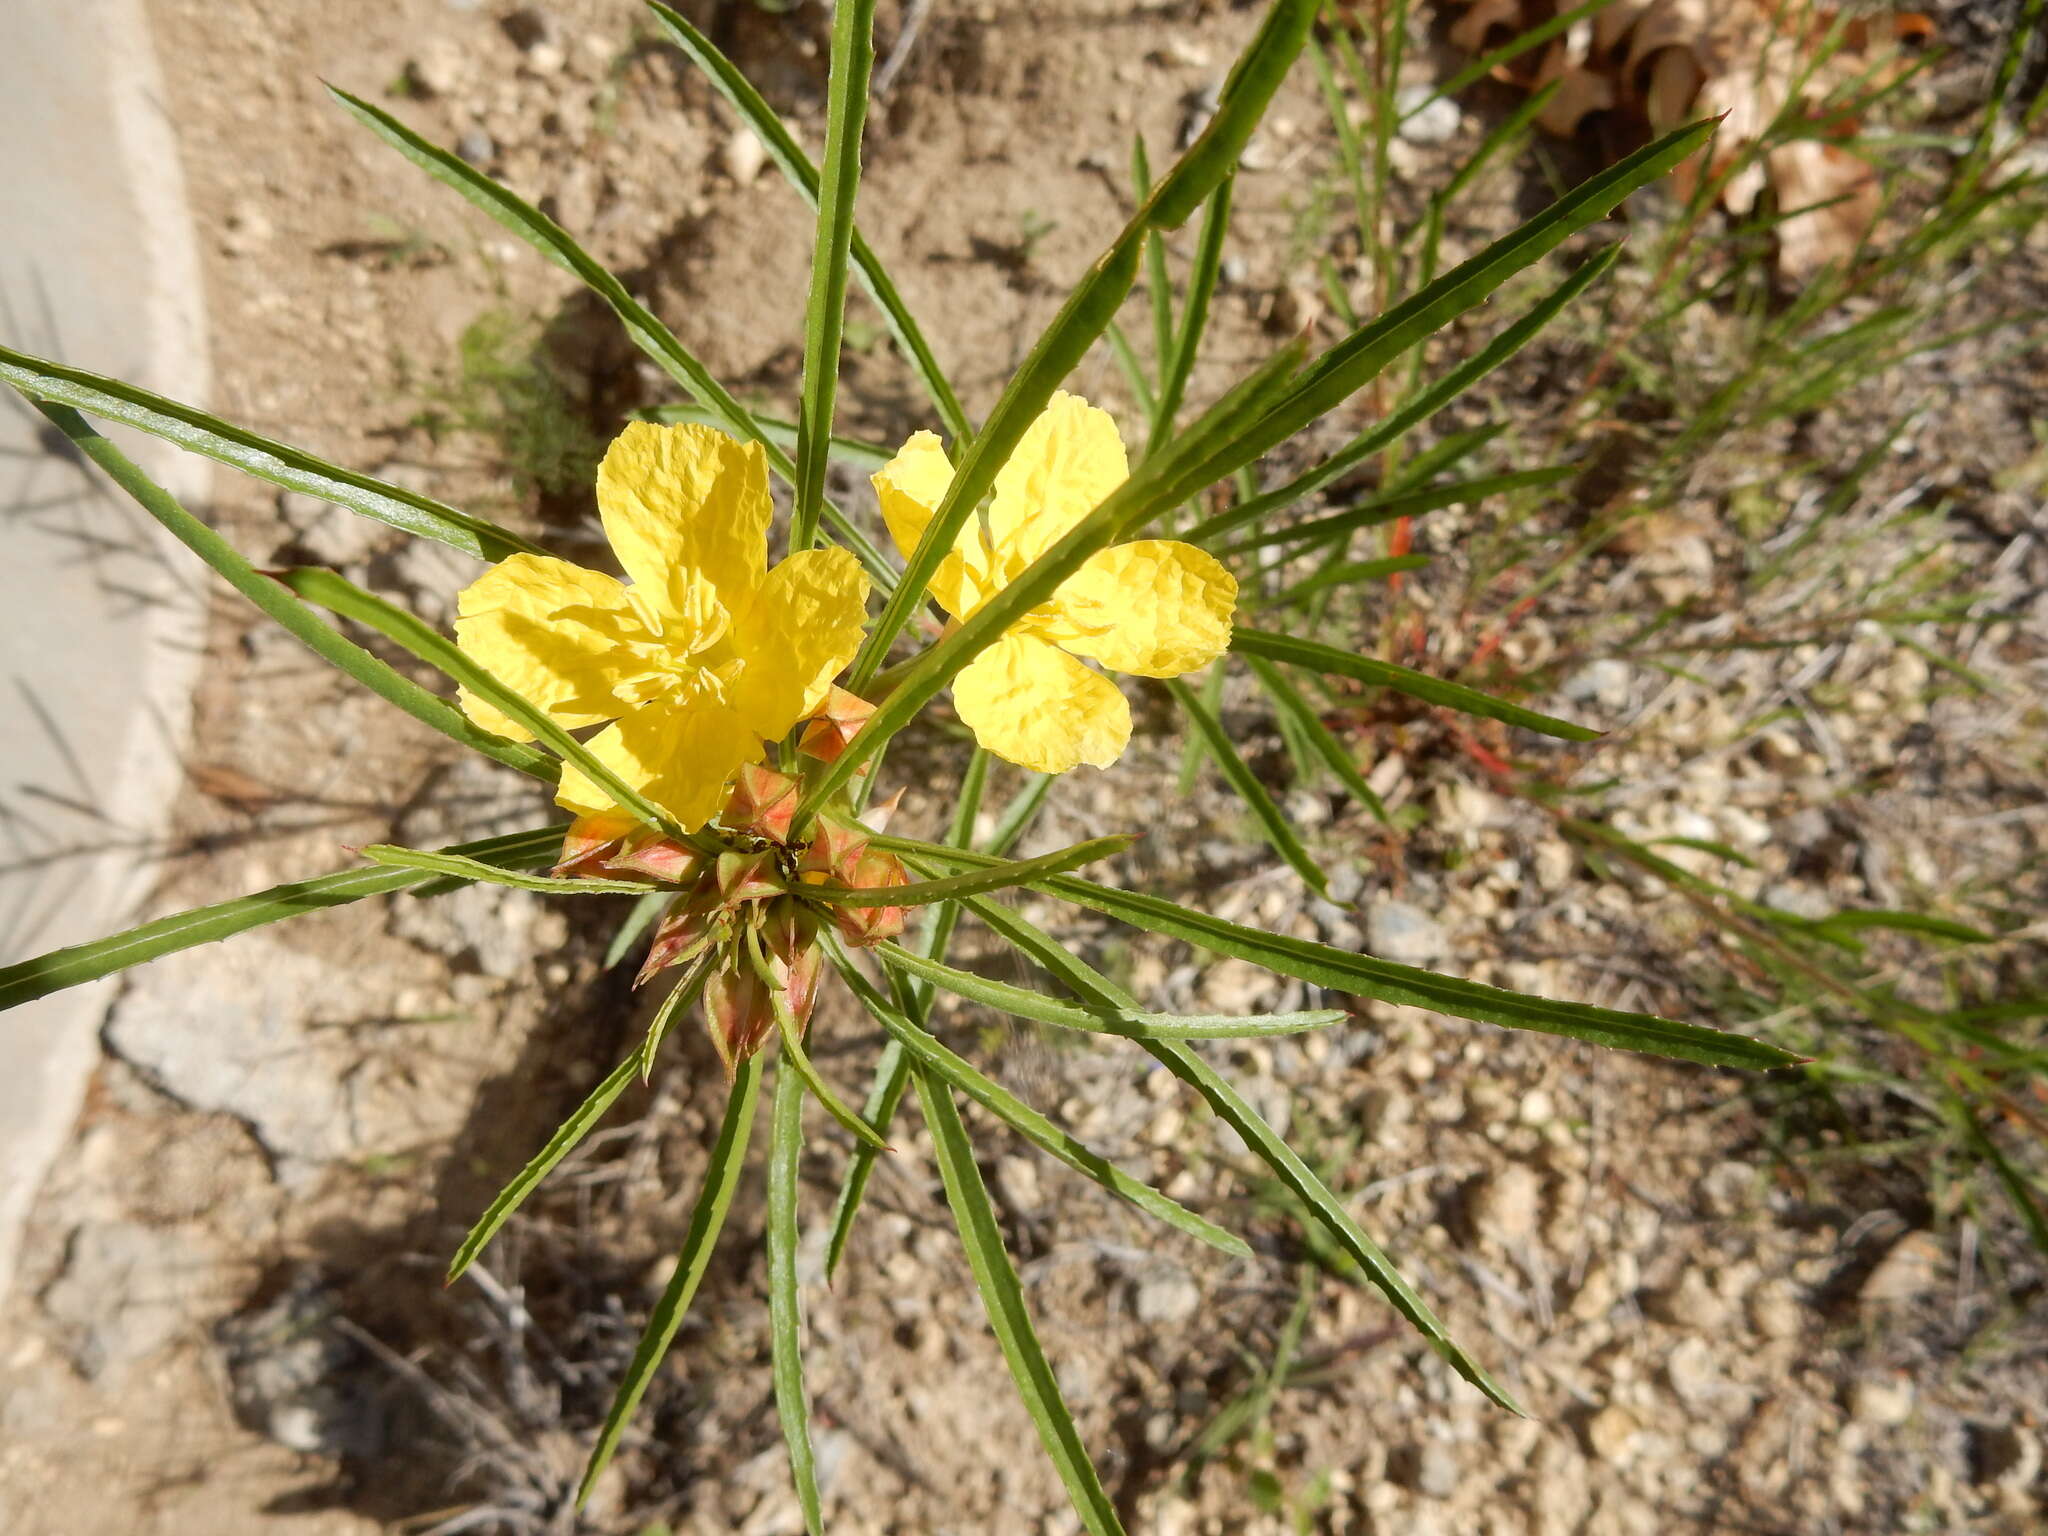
x=151, y=767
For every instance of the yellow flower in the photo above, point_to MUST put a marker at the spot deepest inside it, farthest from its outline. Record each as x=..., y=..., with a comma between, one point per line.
x=1156, y=607
x=703, y=656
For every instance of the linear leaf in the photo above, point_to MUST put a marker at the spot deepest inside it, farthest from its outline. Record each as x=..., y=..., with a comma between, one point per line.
x=489, y=874
x=1129, y=1023
x=27, y=980
x=567, y=1135
x=1181, y=1060
x=1386, y=674
x=935, y=933
x=714, y=1199
x=785, y=1308
x=852, y=451
x=1419, y=409
x=643, y=327
x=1385, y=509
x=996, y=877
x=790, y=159
x=326, y=642
x=795, y=1058
x=333, y=591
x=638, y=921
x=1363, y=976
x=1003, y=1298
x=1027, y=1122
x=1272, y=820
x=1287, y=700
x=846, y=110
x=1275, y=1153
x=279, y=463
x=1351, y=574
x=1089, y=309
x=1187, y=343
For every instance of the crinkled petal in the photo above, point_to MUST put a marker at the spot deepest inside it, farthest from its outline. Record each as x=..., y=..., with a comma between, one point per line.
x=684, y=501
x=1156, y=607
x=552, y=632
x=1032, y=704
x=910, y=488
x=679, y=754
x=802, y=630
x=1066, y=462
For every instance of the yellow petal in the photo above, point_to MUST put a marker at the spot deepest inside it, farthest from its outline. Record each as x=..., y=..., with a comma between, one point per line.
x=910, y=488
x=559, y=636
x=684, y=500
x=1066, y=462
x=803, y=628
x=1156, y=607
x=680, y=755
x=1032, y=704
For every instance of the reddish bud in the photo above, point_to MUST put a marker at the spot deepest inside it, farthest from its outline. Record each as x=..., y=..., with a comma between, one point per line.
x=589, y=840
x=763, y=802
x=834, y=849
x=684, y=934
x=865, y=926
x=791, y=936
x=837, y=721
x=656, y=857
x=747, y=877
x=738, y=1011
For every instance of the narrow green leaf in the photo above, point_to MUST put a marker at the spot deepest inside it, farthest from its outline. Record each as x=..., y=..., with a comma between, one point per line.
x=305, y=626
x=795, y=1058
x=846, y=110
x=721, y=1177
x=1272, y=820
x=995, y=878
x=681, y=998
x=1008, y=1317
x=935, y=933
x=1350, y=574
x=856, y=453
x=1363, y=976
x=643, y=327
x=1386, y=674
x=1088, y=310
x=335, y=592
x=1287, y=700
x=27, y=980
x=1385, y=509
x=490, y=874
x=1180, y=1059
x=1406, y=418
x=1187, y=344
x=1287, y=1166
x=785, y=1308
x=1129, y=1023
x=1857, y=919
x=1027, y=1122
x=282, y=465
x=790, y=159
x=567, y=1135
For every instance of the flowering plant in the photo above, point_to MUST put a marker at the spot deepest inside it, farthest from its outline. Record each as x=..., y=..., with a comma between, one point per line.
x=743, y=711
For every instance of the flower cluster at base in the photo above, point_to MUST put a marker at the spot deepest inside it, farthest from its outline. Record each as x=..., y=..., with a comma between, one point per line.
x=740, y=922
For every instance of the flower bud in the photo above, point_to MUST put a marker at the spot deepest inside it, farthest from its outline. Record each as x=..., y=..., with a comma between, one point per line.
x=836, y=723
x=738, y=1010
x=589, y=841
x=763, y=802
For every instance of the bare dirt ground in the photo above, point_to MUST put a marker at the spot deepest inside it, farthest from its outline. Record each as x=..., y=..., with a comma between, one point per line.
x=230, y=1319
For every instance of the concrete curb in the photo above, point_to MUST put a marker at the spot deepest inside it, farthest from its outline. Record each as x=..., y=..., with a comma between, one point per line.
x=101, y=630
